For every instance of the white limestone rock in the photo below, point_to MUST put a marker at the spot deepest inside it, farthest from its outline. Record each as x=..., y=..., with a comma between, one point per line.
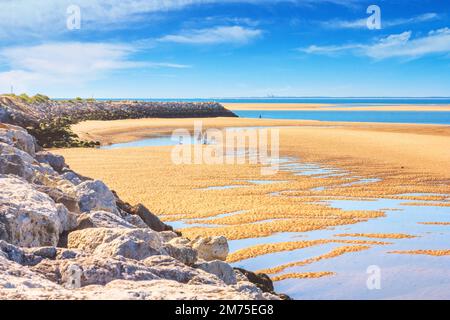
x=135, y=244
x=211, y=248
x=29, y=218
x=219, y=268
x=95, y=195
x=102, y=219
x=18, y=137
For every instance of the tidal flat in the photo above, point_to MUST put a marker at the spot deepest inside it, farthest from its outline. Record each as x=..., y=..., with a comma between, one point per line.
x=347, y=196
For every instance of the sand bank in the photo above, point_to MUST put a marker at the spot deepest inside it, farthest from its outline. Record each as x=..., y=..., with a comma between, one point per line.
x=405, y=162
x=331, y=107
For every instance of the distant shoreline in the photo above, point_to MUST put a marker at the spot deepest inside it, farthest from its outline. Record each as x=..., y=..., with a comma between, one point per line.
x=332, y=107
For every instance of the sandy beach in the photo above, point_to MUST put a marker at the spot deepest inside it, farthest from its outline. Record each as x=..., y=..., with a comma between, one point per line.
x=331, y=107
x=408, y=164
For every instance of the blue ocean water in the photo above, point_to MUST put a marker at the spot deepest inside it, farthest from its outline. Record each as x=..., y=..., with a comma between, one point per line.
x=419, y=117
x=340, y=101
x=422, y=117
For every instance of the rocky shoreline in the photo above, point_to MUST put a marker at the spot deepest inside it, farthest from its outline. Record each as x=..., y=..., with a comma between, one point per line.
x=25, y=113
x=50, y=120
x=65, y=236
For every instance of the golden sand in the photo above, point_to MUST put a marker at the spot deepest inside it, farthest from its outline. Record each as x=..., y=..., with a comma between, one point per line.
x=377, y=235
x=305, y=275
x=425, y=252
x=426, y=204
x=262, y=249
x=278, y=106
x=331, y=107
x=332, y=254
x=436, y=223
x=407, y=159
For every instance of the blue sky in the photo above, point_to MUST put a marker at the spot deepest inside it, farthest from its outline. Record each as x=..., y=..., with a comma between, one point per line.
x=225, y=48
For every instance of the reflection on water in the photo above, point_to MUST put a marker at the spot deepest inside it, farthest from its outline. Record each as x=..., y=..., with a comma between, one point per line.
x=407, y=276
x=403, y=276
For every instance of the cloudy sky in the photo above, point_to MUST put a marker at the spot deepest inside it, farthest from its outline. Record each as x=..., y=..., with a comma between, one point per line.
x=224, y=48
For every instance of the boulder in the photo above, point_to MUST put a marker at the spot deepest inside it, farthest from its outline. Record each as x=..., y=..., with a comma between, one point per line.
x=149, y=218
x=101, y=219
x=72, y=177
x=219, y=268
x=95, y=195
x=29, y=218
x=91, y=270
x=211, y=248
x=169, y=268
x=259, y=279
x=59, y=196
x=135, y=244
x=97, y=270
x=182, y=251
x=136, y=221
x=17, y=162
x=14, y=276
x=18, y=137
x=18, y=255
x=166, y=236
x=57, y=162
x=127, y=290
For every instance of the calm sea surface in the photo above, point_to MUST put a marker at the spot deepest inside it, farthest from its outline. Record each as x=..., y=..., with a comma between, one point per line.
x=423, y=117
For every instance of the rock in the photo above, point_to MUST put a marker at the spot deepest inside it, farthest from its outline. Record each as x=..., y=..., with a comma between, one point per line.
x=169, y=268
x=57, y=162
x=18, y=137
x=166, y=236
x=136, y=221
x=127, y=290
x=95, y=195
x=259, y=279
x=44, y=252
x=135, y=244
x=90, y=270
x=63, y=254
x=149, y=218
x=253, y=291
x=101, y=219
x=29, y=218
x=18, y=255
x=219, y=268
x=72, y=177
x=13, y=276
x=70, y=202
x=211, y=248
x=181, y=251
x=17, y=162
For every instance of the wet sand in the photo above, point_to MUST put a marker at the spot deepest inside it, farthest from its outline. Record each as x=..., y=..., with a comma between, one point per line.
x=357, y=163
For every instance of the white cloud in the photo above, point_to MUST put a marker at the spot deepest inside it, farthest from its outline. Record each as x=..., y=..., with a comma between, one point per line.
x=68, y=63
x=394, y=46
x=220, y=34
x=42, y=18
x=362, y=23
